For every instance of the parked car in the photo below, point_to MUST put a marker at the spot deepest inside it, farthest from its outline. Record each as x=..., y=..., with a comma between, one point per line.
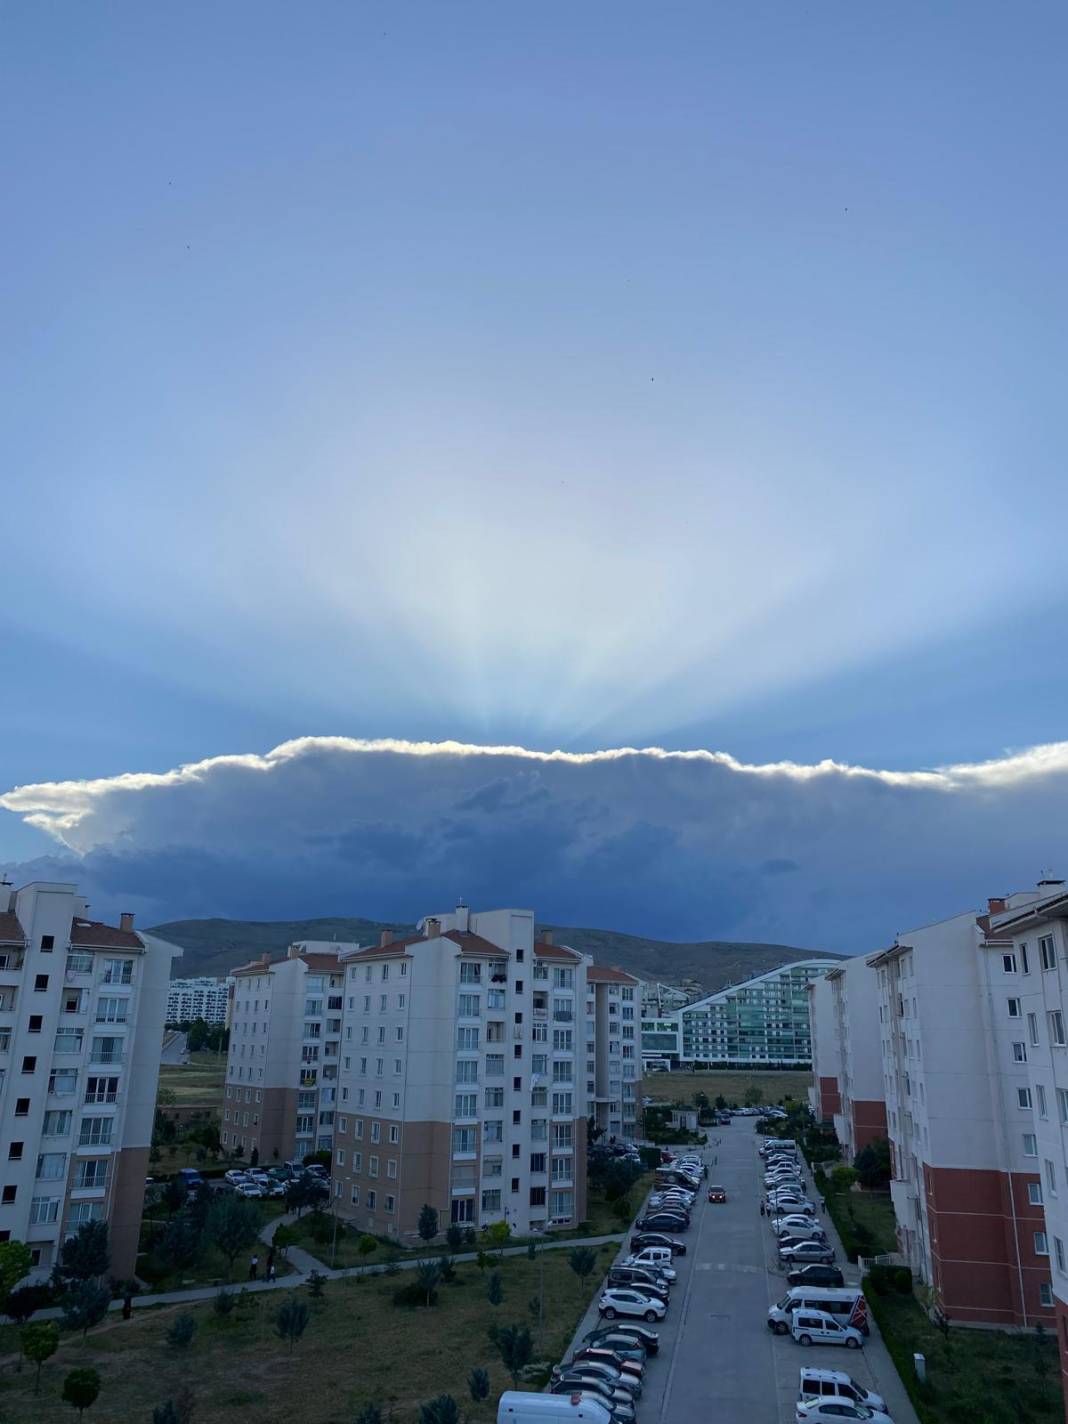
x=837, y=1385
x=847, y=1305
x=656, y=1259
x=234, y=1176
x=627, y=1347
x=648, y=1339
x=830, y=1411
x=816, y=1327
x=641, y=1239
x=798, y=1225
x=589, y=1393
x=789, y=1202
x=249, y=1189
x=605, y=1355
x=816, y=1276
x=641, y=1279
x=717, y=1194
x=663, y=1221
x=613, y=1396
x=607, y=1374
x=627, y=1301
x=804, y=1251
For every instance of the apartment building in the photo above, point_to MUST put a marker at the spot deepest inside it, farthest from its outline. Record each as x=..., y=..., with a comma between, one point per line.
x=461, y=1081
x=764, y=1022
x=861, y=1115
x=285, y=1049
x=191, y=999
x=1034, y=950
x=613, y=1003
x=825, y=1095
x=82, y=1009
x=968, y=1183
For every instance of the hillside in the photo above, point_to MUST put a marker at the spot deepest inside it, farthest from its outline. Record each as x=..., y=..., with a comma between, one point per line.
x=218, y=946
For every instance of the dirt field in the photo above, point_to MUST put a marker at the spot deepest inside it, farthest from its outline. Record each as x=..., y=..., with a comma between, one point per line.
x=733, y=1084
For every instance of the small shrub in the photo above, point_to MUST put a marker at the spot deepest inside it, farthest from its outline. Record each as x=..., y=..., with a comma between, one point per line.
x=316, y=1285
x=181, y=1333
x=223, y=1304
x=902, y=1280
x=411, y=1295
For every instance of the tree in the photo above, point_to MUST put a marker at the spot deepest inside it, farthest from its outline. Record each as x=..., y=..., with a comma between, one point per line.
x=316, y=1284
x=223, y=1303
x=178, y=1244
x=366, y=1244
x=700, y=1100
x=181, y=1333
x=454, y=1237
x=478, y=1383
x=754, y=1096
x=582, y=1260
x=516, y=1348
x=254, y=1158
x=494, y=1289
x=305, y=1191
x=39, y=1343
x=842, y=1178
x=84, y=1305
x=291, y=1321
x=443, y=1410
x=428, y=1223
x=623, y=1209
x=498, y=1236
x=80, y=1389
x=872, y=1164
x=721, y=1102
x=26, y=1301
x=85, y=1255
x=173, y=1195
x=232, y=1225
x=15, y=1262
x=428, y=1274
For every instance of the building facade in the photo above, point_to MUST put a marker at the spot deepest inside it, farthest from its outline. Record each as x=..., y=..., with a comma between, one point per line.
x=207, y=999
x=82, y=1008
x=463, y=1079
x=968, y=1183
x=284, y=1055
x=761, y=1022
x=613, y=1006
x=825, y=1096
x=861, y=1114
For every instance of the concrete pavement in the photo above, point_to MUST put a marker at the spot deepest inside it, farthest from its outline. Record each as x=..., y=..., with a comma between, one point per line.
x=718, y=1361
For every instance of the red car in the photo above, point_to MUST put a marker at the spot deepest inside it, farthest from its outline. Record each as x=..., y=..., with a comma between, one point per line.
x=717, y=1194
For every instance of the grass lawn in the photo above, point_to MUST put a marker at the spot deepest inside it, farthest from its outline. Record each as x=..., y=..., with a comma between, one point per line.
x=358, y=1347
x=211, y=1269
x=732, y=1083
x=982, y=1376
x=200, y=1080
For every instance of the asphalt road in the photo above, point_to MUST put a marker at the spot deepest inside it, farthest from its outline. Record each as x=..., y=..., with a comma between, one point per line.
x=718, y=1362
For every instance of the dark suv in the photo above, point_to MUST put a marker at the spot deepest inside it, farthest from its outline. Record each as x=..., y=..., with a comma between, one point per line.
x=639, y=1280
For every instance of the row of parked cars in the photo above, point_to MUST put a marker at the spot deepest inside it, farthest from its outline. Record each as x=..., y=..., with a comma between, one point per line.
x=817, y=1308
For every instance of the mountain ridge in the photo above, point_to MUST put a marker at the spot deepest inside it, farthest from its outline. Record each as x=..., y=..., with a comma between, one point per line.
x=218, y=946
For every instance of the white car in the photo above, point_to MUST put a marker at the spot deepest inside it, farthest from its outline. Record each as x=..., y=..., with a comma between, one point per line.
x=795, y=1223
x=641, y=1258
x=789, y=1202
x=235, y=1176
x=816, y=1327
x=806, y=1252
x=249, y=1189
x=830, y=1411
x=620, y=1300
x=820, y=1384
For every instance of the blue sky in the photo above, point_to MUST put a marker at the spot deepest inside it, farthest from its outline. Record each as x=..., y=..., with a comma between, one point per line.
x=559, y=376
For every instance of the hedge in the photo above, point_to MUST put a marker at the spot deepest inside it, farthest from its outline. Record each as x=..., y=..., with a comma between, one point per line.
x=901, y=1355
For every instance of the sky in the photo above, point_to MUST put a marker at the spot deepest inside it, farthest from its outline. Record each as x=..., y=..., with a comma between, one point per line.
x=554, y=378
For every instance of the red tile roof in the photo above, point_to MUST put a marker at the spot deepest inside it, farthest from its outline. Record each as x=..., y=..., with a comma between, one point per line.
x=11, y=931
x=316, y=962
x=555, y=951
x=467, y=942
x=91, y=934
x=599, y=974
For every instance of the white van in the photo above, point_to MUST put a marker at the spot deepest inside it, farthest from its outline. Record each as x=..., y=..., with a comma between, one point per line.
x=816, y=1327
x=654, y=1258
x=837, y=1385
x=519, y=1408
x=846, y=1304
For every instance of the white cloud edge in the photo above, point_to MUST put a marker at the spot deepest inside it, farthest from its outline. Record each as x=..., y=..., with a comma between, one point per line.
x=59, y=807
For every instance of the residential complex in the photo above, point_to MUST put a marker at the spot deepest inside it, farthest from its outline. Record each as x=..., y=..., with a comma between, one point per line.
x=613, y=1066
x=207, y=999
x=455, y=1067
x=762, y=1022
x=82, y=1008
x=860, y=1117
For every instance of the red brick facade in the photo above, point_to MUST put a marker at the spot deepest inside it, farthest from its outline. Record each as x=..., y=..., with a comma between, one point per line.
x=983, y=1256
x=869, y=1121
x=830, y=1098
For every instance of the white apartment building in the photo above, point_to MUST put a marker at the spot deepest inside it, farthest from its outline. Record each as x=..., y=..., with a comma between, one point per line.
x=968, y=1175
x=191, y=999
x=284, y=1053
x=861, y=1114
x=461, y=1081
x=1034, y=940
x=764, y=1021
x=82, y=1009
x=825, y=1097
x=613, y=1067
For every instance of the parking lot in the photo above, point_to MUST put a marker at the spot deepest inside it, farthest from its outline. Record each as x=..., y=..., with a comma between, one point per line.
x=718, y=1362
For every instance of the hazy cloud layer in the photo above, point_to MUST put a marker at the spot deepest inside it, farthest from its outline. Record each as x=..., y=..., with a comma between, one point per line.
x=678, y=844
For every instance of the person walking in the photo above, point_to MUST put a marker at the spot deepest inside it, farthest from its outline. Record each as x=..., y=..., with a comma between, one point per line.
x=270, y=1260
x=253, y=1267
x=272, y=1274
x=127, y=1306
x=823, y=1206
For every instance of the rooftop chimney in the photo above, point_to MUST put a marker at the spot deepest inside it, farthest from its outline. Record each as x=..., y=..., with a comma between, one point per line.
x=546, y=936
x=293, y=952
x=996, y=905
x=265, y=959
x=431, y=927
x=462, y=917
x=385, y=938
x=126, y=920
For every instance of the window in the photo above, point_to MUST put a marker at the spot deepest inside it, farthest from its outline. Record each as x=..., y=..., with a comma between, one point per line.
x=1023, y=1098
x=1032, y=1029
x=118, y=971
x=1051, y=1177
x=1047, y=953
x=1008, y=963
x=55, y=1124
x=1062, y=1104
x=40, y=984
x=467, y=1071
x=495, y=1097
x=1030, y=1145
x=391, y=1167
x=69, y=1040
x=469, y=1006
x=1040, y=1094
x=372, y=1198
x=391, y=1203
x=340, y=1156
x=48, y=943
x=51, y=1166
x=1045, y=1293
x=491, y=1199
x=1025, y=967
x=376, y=1132
x=79, y=963
x=467, y=1040
x=537, y=1161
x=8, y=1196
x=493, y=1131
x=470, y=973
x=394, y=1132
x=36, y=1020
x=537, y=1196
x=1058, y=1253
x=1019, y=1052
x=1014, y=1008
x=29, y=1065
x=43, y=1210
x=463, y=1140
x=1041, y=1246
x=14, y=1151
x=1034, y=1193
x=81, y=1212
x=1056, y=1028
x=562, y=1104
x=467, y=1105
x=22, y=1107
